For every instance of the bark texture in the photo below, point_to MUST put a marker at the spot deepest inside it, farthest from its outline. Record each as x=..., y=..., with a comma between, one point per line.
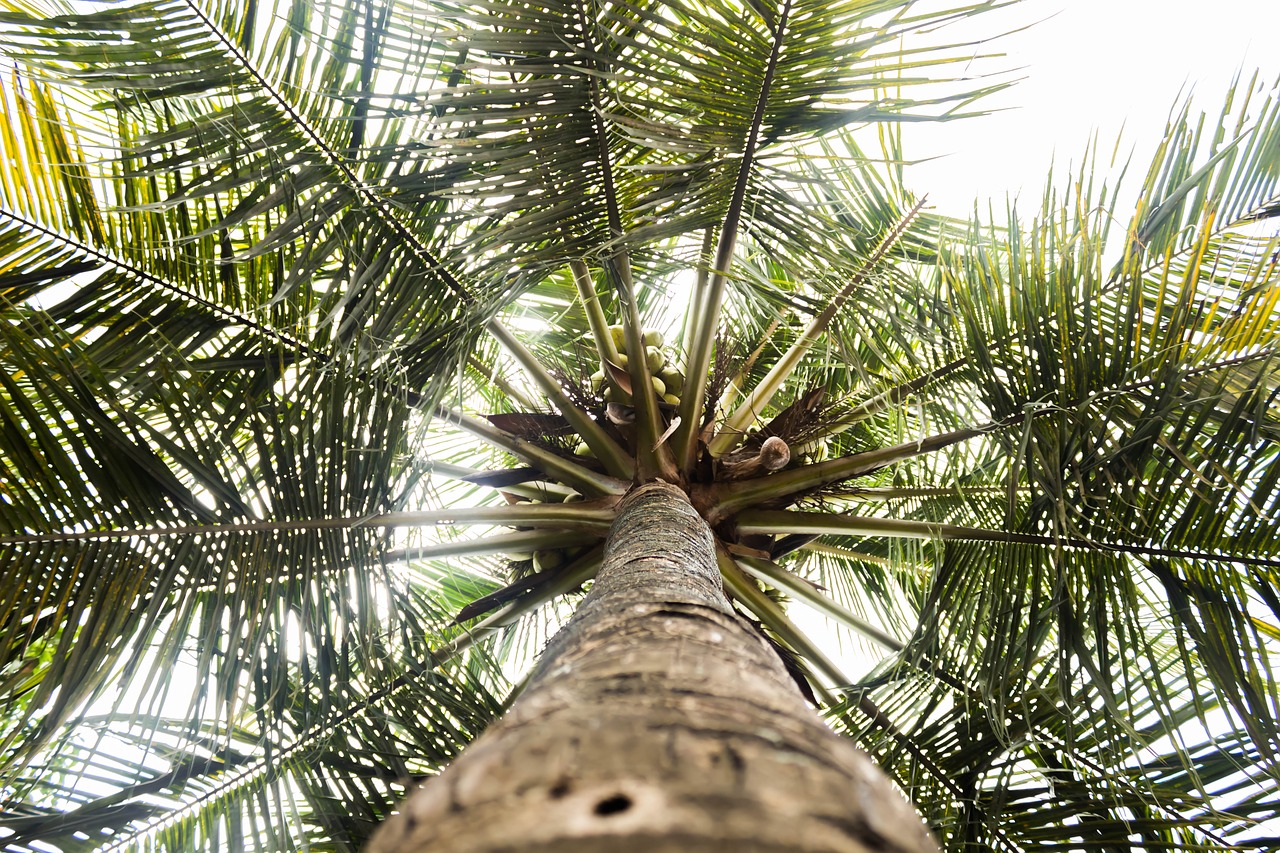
x=656, y=721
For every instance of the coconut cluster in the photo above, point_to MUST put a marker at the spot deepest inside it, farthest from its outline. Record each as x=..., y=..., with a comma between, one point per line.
x=668, y=381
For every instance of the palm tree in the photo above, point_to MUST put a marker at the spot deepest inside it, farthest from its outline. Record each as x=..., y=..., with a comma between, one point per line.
x=330, y=337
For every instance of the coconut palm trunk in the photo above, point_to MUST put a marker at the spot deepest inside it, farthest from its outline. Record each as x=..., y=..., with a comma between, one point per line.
x=658, y=720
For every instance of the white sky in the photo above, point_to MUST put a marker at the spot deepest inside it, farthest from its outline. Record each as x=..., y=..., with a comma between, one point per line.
x=1089, y=65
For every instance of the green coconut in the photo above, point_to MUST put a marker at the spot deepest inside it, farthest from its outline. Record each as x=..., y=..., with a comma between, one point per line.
x=552, y=558
x=654, y=357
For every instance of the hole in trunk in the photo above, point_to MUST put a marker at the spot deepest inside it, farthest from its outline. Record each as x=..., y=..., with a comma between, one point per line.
x=613, y=805
x=560, y=789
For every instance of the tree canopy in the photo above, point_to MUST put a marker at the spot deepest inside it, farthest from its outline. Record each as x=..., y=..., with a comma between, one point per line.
x=265, y=270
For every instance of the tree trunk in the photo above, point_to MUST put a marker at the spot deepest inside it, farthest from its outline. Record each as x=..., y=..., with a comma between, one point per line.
x=657, y=720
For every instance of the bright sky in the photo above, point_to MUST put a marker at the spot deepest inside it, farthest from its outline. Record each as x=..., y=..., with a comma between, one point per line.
x=1089, y=65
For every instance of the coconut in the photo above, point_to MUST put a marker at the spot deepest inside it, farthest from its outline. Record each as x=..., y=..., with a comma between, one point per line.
x=548, y=559
x=654, y=357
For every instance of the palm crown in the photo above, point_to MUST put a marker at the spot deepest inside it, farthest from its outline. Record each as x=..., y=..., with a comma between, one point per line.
x=264, y=271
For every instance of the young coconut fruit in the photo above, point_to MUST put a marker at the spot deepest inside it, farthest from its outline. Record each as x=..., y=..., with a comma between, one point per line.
x=551, y=558
x=672, y=378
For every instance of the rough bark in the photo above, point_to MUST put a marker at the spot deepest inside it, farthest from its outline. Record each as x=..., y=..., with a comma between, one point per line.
x=657, y=720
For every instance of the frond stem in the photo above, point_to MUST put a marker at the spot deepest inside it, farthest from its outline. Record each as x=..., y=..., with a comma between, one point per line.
x=651, y=460
x=771, y=572
x=595, y=313
x=127, y=268
x=706, y=304
x=614, y=459
x=830, y=524
x=734, y=428
x=501, y=543
x=491, y=374
x=584, y=480
x=771, y=614
x=729, y=498
x=361, y=188
x=587, y=516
